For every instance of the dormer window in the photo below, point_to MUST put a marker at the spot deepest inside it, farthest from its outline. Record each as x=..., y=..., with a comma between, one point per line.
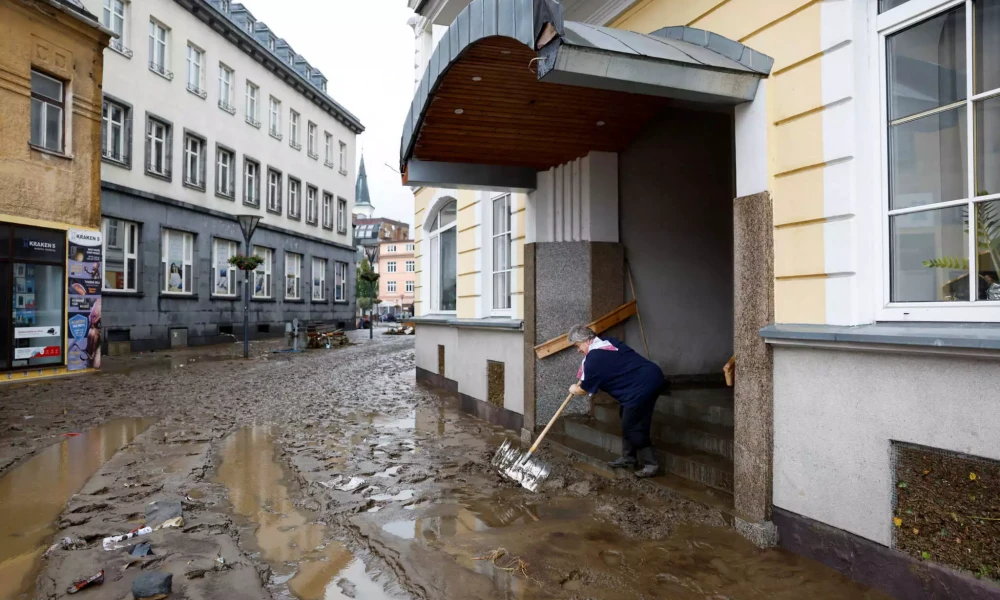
x=309, y=73
x=270, y=44
x=224, y=4
x=250, y=24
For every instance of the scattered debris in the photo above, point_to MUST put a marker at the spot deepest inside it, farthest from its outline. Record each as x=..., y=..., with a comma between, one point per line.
x=348, y=588
x=515, y=565
x=163, y=510
x=66, y=543
x=154, y=585
x=85, y=583
x=74, y=434
x=580, y=488
x=114, y=542
x=140, y=550
x=178, y=522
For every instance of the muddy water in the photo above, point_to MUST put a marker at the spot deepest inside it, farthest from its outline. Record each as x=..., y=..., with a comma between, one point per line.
x=33, y=495
x=297, y=548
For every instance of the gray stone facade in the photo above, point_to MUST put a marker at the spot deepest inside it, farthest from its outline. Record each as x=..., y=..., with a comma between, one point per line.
x=148, y=319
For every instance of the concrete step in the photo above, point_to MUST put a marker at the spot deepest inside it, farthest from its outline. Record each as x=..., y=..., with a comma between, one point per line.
x=698, y=435
x=694, y=464
x=713, y=407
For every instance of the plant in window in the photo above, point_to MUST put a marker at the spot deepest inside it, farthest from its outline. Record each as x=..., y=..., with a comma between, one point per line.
x=246, y=263
x=987, y=242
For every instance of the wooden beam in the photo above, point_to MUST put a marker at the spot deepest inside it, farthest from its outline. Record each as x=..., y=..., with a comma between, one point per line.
x=599, y=326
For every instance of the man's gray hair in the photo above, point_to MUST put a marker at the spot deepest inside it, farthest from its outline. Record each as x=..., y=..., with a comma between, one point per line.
x=580, y=333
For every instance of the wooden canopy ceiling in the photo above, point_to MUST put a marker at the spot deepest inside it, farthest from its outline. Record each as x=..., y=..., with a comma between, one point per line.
x=490, y=108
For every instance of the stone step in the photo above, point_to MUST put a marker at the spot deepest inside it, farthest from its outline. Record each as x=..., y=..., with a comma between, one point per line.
x=698, y=435
x=707, y=469
x=714, y=408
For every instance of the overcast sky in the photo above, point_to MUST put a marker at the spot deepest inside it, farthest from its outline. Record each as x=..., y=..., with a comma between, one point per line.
x=365, y=48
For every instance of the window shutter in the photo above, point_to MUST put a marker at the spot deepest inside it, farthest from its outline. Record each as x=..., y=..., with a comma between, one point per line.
x=169, y=153
x=149, y=132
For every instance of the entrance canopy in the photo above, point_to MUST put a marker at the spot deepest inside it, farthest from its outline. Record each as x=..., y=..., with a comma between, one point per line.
x=511, y=90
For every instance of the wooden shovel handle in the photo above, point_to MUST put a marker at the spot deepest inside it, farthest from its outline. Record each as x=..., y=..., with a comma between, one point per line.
x=549, y=426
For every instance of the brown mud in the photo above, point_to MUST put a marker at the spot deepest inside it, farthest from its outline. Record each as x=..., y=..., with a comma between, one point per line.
x=331, y=474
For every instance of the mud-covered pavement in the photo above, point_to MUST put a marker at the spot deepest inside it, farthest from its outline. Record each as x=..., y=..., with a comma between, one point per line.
x=330, y=474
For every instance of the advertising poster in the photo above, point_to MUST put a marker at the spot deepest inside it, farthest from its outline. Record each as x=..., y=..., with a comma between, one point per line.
x=84, y=287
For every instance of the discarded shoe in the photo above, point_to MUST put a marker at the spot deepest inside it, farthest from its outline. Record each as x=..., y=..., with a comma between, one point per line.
x=622, y=462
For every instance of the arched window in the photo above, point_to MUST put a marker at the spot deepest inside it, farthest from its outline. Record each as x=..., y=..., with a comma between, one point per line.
x=444, y=258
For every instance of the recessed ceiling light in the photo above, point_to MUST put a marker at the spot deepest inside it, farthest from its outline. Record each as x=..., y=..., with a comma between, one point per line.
x=505, y=52
x=477, y=78
x=459, y=111
x=600, y=123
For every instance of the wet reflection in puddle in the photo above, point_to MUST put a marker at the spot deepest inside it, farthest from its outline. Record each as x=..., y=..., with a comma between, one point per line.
x=404, y=495
x=339, y=576
x=468, y=519
x=34, y=494
x=390, y=472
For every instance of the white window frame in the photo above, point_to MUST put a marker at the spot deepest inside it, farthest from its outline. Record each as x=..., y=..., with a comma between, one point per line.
x=108, y=17
x=159, y=47
x=328, y=149
x=390, y=248
x=411, y=266
x=434, y=254
x=410, y=247
x=390, y=266
x=390, y=287
x=312, y=215
x=162, y=153
x=231, y=250
x=45, y=104
x=341, y=215
x=343, y=158
x=327, y=210
x=409, y=286
x=125, y=230
x=263, y=271
x=888, y=23
x=340, y=282
x=224, y=175
x=294, y=198
x=187, y=261
x=495, y=237
x=227, y=77
x=194, y=161
x=253, y=104
x=274, y=190
x=293, y=129
x=274, y=117
x=319, y=279
x=107, y=116
x=293, y=274
x=251, y=182
x=312, y=135
x=196, y=70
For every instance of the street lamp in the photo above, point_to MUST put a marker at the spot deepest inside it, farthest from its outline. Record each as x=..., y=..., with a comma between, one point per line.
x=371, y=252
x=248, y=224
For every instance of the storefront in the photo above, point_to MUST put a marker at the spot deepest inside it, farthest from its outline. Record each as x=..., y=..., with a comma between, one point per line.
x=50, y=318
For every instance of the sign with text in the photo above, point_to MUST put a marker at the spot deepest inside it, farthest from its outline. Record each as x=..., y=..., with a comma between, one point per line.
x=84, y=285
x=21, y=333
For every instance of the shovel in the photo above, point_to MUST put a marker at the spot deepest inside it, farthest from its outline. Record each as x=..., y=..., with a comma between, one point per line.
x=521, y=467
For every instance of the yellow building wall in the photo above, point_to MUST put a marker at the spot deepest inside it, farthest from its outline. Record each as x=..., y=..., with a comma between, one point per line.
x=468, y=253
x=790, y=32
x=421, y=200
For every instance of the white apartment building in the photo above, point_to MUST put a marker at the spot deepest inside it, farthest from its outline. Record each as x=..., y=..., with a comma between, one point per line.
x=207, y=115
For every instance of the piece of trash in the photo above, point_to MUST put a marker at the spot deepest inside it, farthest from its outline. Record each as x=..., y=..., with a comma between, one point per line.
x=163, y=510
x=70, y=434
x=28, y=417
x=178, y=522
x=140, y=550
x=114, y=542
x=220, y=561
x=130, y=563
x=85, y=583
x=64, y=543
x=156, y=584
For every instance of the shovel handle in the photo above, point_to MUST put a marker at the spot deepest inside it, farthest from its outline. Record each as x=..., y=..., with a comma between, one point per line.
x=549, y=426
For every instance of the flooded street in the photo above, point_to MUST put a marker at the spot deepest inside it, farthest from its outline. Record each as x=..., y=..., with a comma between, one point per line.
x=332, y=475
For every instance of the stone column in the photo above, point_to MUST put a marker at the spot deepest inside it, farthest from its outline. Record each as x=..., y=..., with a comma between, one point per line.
x=754, y=394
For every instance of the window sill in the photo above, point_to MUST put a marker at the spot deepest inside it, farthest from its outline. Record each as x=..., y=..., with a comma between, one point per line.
x=44, y=150
x=197, y=92
x=318, y=301
x=221, y=298
x=178, y=296
x=227, y=108
x=294, y=301
x=276, y=136
x=487, y=323
x=194, y=186
x=343, y=302
x=328, y=165
x=156, y=175
x=253, y=122
x=313, y=155
x=342, y=231
x=162, y=72
x=274, y=212
x=295, y=146
x=260, y=299
x=328, y=227
x=124, y=164
x=313, y=223
x=121, y=49
x=294, y=217
x=123, y=294
x=930, y=337
x=343, y=172
x=226, y=197
x=252, y=204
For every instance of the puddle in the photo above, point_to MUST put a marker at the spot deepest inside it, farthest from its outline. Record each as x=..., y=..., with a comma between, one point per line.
x=289, y=541
x=33, y=495
x=390, y=472
x=467, y=520
x=407, y=422
x=404, y=495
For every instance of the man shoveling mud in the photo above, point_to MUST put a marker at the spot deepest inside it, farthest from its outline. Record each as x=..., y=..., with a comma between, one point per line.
x=611, y=366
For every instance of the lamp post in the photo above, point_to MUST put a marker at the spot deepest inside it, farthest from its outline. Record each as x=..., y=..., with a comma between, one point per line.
x=248, y=224
x=371, y=252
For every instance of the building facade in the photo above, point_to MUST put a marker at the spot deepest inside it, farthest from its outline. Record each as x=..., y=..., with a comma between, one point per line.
x=208, y=114
x=397, y=268
x=51, y=67
x=858, y=139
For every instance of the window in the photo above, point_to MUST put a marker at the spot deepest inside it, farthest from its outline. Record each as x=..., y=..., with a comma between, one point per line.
x=226, y=89
x=114, y=19
x=293, y=130
x=270, y=43
x=223, y=274
x=249, y=26
x=159, y=139
x=253, y=105
x=225, y=173
x=409, y=287
x=390, y=248
x=340, y=282
x=195, y=62
x=274, y=123
x=327, y=210
x=943, y=180
x=343, y=158
x=262, y=275
x=390, y=267
x=312, y=214
x=294, y=198
x=293, y=275
x=390, y=287
x=444, y=258
x=501, y=253
x=311, y=148
x=319, y=279
x=409, y=247
x=273, y=191
x=116, y=135
x=224, y=6
x=47, y=103
x=341, y=215
x=194, y=161
x=251, y=182
x=411, y=266
x=178, y=260
x=158, y=54
x=121, y=255
x=328, y=150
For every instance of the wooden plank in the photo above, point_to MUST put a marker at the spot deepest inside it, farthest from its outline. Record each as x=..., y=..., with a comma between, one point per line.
x=599, y=326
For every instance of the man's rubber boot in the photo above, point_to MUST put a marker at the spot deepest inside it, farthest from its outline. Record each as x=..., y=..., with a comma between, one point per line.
x=622, y=462
x=649, y=466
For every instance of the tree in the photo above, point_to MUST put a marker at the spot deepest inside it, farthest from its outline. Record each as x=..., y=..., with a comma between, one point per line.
x=365, y=283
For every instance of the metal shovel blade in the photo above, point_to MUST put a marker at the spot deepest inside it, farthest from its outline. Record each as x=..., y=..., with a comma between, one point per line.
x=520, y=467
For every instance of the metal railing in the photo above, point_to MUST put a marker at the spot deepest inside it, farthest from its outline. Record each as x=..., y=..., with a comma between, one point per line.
x=160, y=70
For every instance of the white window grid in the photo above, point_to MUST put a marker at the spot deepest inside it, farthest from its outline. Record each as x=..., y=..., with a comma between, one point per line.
x=343, y=158
x=273, y=191
x=195, y=70
x=223, y=273
x=437, y=228
x=294, y=198
x=328, y=149
x=178, y=261
x=253, y=104
x=390, y=266
x=341, y=215
x=411, y=266
x=390, y=248
x=327, y=210
x=115, y=118
x=409, y=287
x=293, y=129
x=501, y=255
x=293, y=275
x=311, y=142
x=311, y=207
x=319, y=279
x=194, y=160
x=390, y=287
x=251, y=182
x=224, y=172
x=274, y=124
x=47, y=111
x=159, y=138
x=158, y=49
x=120, y=237
x=114, y=18
x=262, y=274
x=226, y=77
x=409, y=247
x=889, y=23
x=340, y=280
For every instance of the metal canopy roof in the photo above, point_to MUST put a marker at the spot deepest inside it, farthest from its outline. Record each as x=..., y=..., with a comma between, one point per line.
x=511, y=86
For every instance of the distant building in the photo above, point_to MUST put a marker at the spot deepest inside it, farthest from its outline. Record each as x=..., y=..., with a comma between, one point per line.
x=363, y=202
x=397, y=268
x=371, y=232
